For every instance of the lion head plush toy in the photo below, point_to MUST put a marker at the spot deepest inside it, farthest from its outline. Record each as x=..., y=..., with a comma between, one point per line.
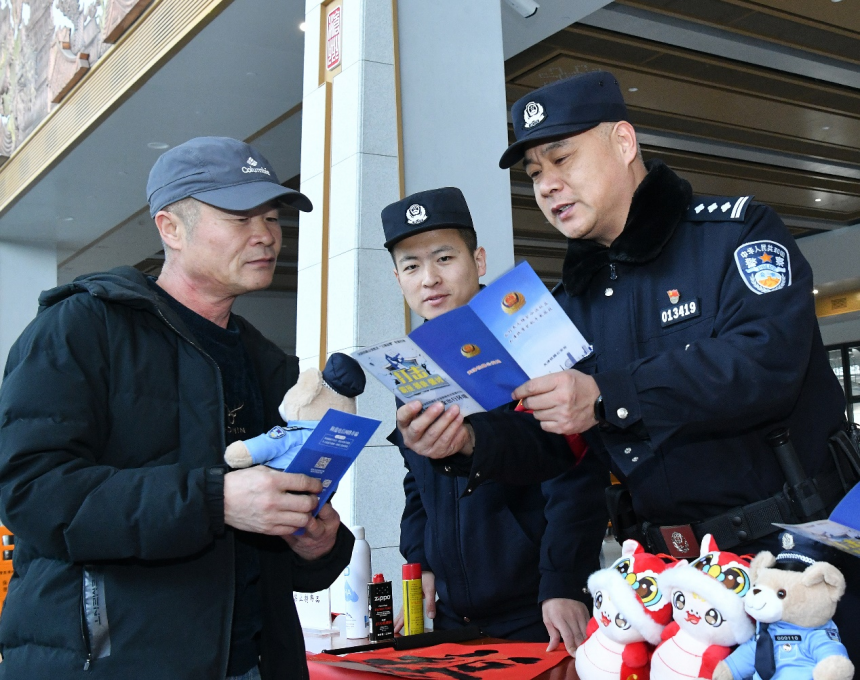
x=708, y=611
x=793, y=599
x=630, y=613
x=304, y=404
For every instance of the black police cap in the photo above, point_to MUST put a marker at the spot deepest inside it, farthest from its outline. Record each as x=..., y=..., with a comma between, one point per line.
x=799, y=552
x=427, y=210
x=344, y=375
x=564, y=108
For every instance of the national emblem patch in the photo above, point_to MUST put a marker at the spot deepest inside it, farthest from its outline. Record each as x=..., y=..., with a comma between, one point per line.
x=765, y=266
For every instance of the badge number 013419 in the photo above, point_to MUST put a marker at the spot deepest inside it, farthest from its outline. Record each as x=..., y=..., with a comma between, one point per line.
x=680, y=312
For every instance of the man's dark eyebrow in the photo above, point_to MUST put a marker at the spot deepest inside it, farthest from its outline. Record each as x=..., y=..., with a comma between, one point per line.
x=552, y=146
x=440, y=249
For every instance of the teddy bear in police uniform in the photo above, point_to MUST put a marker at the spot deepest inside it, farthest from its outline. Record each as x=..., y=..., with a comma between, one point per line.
x=793, y=599
x=304, y=405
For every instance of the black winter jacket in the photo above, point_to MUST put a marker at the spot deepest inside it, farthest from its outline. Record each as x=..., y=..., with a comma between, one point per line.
x=111, y=441
x=697, y=362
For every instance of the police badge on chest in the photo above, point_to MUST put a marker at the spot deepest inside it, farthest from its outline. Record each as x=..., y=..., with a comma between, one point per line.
x=679, y=311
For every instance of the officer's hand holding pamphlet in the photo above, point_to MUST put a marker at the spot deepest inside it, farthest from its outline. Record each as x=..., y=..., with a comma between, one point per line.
x=476, y=355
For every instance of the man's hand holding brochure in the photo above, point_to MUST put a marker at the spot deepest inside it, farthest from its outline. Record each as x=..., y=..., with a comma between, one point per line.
x=475, y=356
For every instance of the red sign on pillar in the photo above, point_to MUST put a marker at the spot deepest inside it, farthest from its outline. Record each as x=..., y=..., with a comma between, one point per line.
x=333, y=38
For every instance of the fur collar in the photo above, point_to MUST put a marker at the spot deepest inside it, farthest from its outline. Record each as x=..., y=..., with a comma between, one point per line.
x=658, y=206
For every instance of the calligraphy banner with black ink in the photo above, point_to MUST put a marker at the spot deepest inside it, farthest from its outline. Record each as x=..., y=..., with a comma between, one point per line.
x=507, y=661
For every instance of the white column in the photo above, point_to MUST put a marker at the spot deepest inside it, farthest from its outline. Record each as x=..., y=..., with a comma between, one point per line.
x=453, y=131
x=357, y=120
x=25, y=271
x=452, y=77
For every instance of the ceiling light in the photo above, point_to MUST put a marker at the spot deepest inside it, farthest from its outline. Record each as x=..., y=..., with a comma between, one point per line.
x=826, y=127
x=815, y=291
x=633, y=89
x=302, y=26
x=158, y=145
x=835, y=0
x=68, y=219
x=818, y=200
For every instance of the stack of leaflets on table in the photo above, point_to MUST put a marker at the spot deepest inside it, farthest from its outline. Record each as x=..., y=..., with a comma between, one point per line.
x=476, y=355
x=841, y=530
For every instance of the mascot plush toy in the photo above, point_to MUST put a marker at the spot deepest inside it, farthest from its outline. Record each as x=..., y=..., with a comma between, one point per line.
x=630, y=612
x=708, y=611
x=305, y=403
x=793, y=598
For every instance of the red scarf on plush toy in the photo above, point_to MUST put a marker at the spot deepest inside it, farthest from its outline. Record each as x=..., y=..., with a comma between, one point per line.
x=576, y=442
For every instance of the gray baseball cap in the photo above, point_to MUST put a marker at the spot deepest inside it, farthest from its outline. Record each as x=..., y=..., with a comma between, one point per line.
x=219, y=171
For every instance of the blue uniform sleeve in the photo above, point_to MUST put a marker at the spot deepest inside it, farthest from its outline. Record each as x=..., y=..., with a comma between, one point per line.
x=504, y=444
x=751, y=368
x=741, y=662
x=576, y=519
x=820, y=644
x=413, y=521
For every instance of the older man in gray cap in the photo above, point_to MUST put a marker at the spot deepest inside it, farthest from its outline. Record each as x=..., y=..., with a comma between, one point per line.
x=136, y=555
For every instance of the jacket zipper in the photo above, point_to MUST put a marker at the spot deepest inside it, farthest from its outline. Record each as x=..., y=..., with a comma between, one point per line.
x=232, y=594
x=85, y=634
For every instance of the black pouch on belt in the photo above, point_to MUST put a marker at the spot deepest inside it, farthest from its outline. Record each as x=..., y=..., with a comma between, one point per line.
x=845, y=448
x=619, y=502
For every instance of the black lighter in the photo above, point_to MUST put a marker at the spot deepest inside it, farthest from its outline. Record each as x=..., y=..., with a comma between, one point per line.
x=381, y=609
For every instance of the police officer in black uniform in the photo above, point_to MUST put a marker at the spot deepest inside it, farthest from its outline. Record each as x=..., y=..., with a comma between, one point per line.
x=708, y=365
x=512, y=559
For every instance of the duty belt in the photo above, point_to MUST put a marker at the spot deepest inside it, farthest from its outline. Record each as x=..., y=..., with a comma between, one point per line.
x=735, y=527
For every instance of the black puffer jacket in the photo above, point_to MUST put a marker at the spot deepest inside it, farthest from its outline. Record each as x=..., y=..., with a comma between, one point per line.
x=111, y=434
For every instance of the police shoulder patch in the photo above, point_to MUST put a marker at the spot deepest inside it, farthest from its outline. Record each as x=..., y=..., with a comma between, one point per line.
x=765, y=266
x=718, y=208
x=833, y=634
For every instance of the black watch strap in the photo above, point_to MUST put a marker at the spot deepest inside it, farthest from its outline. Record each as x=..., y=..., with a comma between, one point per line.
x=600, y=410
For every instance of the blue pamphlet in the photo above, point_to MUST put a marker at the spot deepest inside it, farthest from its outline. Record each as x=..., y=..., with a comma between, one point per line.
x=476, y=355
x=841, y=530
x=331, y=448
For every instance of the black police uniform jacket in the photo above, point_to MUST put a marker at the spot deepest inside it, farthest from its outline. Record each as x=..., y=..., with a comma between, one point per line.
x=499, y=550
x=692, y=387
x=111, y=421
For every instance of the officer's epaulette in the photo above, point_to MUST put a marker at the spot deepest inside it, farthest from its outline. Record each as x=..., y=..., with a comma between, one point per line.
x=718, y=208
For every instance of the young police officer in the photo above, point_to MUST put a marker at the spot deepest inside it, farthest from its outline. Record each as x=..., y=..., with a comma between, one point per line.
x=512, y=559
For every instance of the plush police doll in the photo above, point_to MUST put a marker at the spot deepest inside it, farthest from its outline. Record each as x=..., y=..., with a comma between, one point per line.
x=305, y=403
x=793, y=599
x=630, y=612
x=708, y=611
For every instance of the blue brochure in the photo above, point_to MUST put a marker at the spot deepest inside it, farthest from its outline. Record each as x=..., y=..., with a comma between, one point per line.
x=331, y=448
x=476, y=355
x=840, y=530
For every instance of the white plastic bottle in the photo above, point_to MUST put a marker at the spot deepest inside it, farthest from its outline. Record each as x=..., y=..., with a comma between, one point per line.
x=355, y=587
